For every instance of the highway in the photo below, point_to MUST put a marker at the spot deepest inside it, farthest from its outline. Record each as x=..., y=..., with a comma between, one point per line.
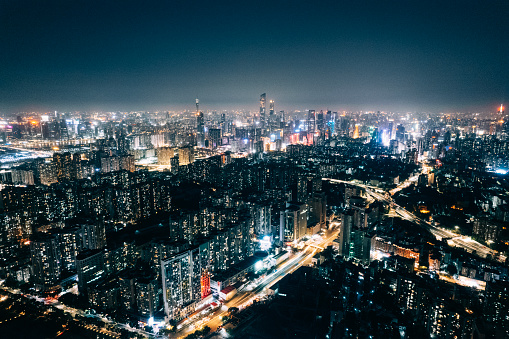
x=39, y=153
x=452, y=239
x=21, y=157
x=404, y=184
x=245, y=299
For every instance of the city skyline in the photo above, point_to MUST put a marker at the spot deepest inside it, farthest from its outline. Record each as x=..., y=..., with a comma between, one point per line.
x=268, y=169
x=200, y=225
x=395, y=56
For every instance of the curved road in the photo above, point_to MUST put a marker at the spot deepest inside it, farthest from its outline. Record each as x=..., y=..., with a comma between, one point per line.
x=452, y=239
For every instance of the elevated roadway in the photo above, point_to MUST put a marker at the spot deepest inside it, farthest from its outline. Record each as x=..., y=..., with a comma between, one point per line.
x=452, y=239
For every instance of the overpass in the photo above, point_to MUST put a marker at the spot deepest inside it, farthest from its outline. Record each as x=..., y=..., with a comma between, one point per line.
x=452, y=239
x=316, y=247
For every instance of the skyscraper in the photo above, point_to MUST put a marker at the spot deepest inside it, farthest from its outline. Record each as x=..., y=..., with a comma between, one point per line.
x=273, y=123
x=320, y=122
x=200, y=126
x=354, y=241
x=64, y=133
x=77, y=171
x=400, y=133
x=263, y=99
x=311, y=121
x=345, y=234
x=215, y=138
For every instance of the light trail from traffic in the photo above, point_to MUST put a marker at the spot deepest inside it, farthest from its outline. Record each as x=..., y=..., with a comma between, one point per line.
x=246, y=298
x=452, y=239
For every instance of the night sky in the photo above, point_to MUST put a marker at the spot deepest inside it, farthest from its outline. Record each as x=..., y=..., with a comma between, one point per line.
x=343, y=55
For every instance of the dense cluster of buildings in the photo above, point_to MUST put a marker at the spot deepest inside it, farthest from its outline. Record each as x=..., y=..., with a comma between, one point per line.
x=154, y=215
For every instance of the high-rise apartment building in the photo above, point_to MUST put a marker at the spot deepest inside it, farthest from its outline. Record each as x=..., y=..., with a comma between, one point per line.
x=127, y=287
x=76, y=169
x=93, y=233
x=71, y=243
x=146, y=296
x=496, y=304
x=186, y=155
x=126, y=163
x=90, y=267
x=47, y=173
x=293, y=221
x=164, y=155
x=63, y=162
x=46, y=261
x=181, y=277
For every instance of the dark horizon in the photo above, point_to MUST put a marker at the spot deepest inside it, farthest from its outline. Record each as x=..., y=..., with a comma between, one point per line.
x=393, y=56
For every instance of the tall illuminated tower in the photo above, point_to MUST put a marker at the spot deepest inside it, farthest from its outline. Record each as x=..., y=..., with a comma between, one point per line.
x=263, y=99
x=272, y=117
x=200, y=126
x=311, y=121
